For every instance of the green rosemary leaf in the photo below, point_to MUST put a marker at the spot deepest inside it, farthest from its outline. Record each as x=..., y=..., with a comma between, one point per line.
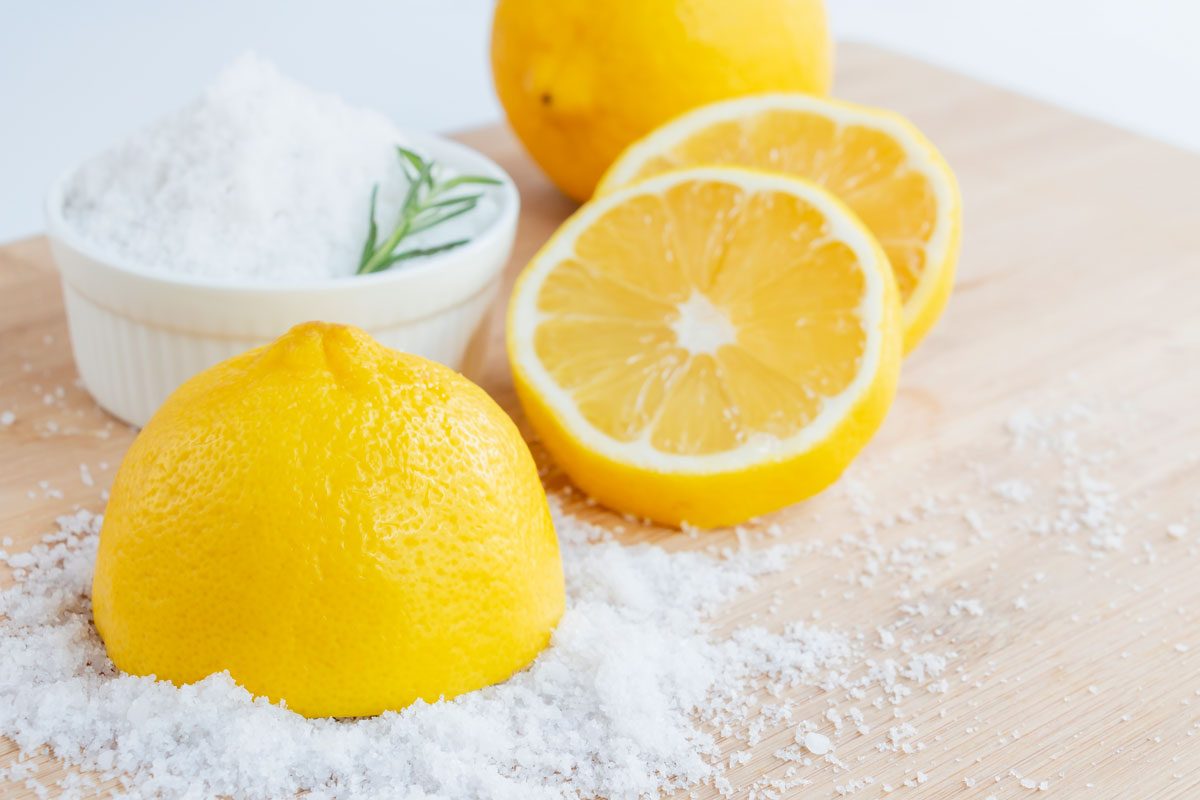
x=411, y=199
x=425, y=251
x=450, y=201
x=462, y=180
x=412, y=158
x=372, y=231
x=417, y=227
x=420, y=251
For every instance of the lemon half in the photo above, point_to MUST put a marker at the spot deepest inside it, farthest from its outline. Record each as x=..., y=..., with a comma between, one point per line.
x=706, y=345
x=340, y=526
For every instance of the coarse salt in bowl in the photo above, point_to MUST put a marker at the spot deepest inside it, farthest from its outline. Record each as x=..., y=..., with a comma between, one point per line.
x=167, y=282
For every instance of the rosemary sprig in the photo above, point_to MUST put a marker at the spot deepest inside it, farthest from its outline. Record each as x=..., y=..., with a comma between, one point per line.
x=427, y=204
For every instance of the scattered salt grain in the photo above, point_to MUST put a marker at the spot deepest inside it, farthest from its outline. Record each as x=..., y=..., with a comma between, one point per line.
x=816, y=743
x=1014, y=490
x=1177, y=530
x=969, y=606
x=259, y=179
x=7, y=418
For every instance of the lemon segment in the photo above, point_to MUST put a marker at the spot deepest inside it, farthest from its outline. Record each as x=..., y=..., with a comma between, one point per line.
x=706, y=345
x=876, y=162
x=340, y=526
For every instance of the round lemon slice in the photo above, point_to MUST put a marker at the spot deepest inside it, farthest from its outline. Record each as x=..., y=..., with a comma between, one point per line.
x=876, y=161
x=706, y=345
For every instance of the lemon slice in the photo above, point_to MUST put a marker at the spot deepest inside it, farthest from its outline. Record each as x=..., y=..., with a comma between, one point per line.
x=706, y=345
x=876, y=161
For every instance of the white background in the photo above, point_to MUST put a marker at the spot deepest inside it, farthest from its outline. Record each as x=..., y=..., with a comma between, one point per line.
x=76, y=75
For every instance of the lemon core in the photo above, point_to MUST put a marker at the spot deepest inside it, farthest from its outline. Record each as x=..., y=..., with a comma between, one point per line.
x=701, y=327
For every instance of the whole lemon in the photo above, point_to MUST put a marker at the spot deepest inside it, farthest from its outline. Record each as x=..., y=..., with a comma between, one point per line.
x=339, y=525
x=580, y=79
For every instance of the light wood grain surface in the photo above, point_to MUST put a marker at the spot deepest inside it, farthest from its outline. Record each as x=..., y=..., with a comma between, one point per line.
x=1074, y=655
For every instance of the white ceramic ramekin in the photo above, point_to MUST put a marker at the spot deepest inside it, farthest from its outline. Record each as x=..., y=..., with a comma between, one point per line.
x=138, y=334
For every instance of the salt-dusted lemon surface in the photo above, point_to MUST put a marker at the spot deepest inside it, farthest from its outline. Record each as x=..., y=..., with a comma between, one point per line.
x=340, y=526
x=707, y=345
x=875, y=161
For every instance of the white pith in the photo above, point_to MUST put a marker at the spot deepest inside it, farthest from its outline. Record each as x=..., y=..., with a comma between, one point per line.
x=701, y=327
x=758, y=448
x=922, y=158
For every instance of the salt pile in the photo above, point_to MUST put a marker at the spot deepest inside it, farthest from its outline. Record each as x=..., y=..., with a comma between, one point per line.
x=613, y=708
x=260, y=179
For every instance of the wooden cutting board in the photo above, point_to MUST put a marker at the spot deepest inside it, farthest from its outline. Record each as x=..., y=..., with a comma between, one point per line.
x=1078, y=297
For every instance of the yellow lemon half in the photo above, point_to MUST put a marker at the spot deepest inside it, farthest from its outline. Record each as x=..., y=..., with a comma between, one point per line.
x=339, y=525
x=875, y=161
x=706, y=345
x=581, y=79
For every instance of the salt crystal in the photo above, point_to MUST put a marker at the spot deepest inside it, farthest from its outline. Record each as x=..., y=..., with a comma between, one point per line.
x=969, y=606
x=1014, y=490
x=7, y=418
x=816, y=743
